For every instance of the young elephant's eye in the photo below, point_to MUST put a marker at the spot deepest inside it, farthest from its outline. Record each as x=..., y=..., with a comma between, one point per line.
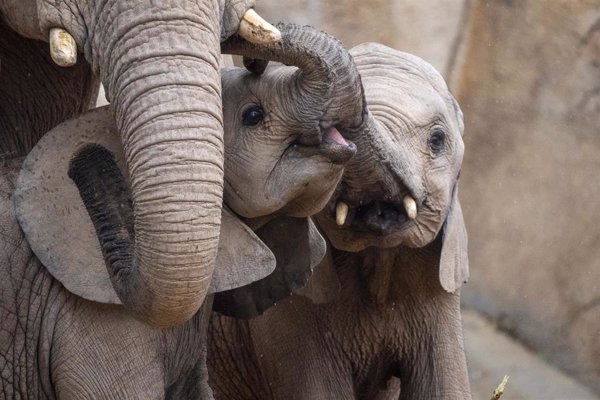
x=253, y=115
x=436, y=140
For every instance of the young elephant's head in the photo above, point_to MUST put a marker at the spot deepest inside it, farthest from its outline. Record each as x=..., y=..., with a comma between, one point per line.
x=285, y=126
x=285, y=152
x=401, y=188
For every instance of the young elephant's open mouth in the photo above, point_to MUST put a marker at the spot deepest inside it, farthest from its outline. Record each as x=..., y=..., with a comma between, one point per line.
x=375, y=216
x=333, y=146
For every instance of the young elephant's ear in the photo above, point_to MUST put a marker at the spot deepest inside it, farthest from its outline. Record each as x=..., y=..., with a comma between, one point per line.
x=242, y=257
x=298, y=247
x=59, y=229
x=323, y=285
x=454, y=260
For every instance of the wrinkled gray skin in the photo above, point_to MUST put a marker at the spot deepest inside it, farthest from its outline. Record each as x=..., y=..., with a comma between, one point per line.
x=266, y=166
x=54, y=344
x=288, y=160
x=35, y=93
x=159, y=64
x=259, y=158
x=380, y=311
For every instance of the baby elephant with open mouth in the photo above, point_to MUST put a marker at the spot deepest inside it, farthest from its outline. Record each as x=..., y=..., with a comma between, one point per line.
x=384, y=306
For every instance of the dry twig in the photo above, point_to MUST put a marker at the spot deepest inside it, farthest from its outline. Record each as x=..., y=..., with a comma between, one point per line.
x=500, y=389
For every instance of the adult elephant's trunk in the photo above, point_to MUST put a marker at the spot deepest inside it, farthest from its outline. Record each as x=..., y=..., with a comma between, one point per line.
x=327, y=78
x=159, y=64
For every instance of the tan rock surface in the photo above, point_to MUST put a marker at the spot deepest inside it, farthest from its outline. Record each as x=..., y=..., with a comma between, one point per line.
x=529, y=85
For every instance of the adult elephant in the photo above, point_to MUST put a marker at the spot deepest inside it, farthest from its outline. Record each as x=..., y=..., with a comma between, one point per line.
x=64, y=334
x=159, y=64
x=386, y=297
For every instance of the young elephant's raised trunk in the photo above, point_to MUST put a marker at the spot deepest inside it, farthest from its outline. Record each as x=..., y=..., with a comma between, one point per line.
x=327, y=79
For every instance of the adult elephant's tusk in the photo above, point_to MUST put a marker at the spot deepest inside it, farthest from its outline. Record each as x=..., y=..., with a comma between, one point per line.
x=410, y=206
x=63, y=48
x=256, y=30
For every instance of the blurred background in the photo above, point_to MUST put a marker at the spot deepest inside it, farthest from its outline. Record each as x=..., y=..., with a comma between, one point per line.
x=527, y=76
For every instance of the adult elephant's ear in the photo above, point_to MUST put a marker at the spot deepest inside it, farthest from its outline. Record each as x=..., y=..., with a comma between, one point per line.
x=49, y=207
x=298, y=247
x=83, y=159
x=454, y=260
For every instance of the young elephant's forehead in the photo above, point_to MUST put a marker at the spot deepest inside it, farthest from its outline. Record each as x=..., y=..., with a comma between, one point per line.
x=415, y=101
x=397, y=82
x=232, y=81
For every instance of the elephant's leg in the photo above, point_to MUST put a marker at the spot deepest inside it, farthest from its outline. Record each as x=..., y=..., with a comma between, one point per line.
x=30, y=299
x=302, y=362
x=35, y=93
x=191, y=386
x=281, y=355
x=234, y=371
x=186, y=350
x=100, y=352
x=436, y=367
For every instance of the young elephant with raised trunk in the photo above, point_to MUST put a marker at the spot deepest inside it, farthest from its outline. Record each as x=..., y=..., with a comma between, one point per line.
x=66, y=333
x=384, y=303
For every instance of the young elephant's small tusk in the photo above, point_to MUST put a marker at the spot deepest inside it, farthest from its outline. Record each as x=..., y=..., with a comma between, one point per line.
x=256, y=30
x=63, y=48
x=410, y=206
x=341, y=212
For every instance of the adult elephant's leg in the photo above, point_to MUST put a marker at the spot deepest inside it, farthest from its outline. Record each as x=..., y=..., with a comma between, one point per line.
x=188, y=372
x=35, y=93
x=100, y=352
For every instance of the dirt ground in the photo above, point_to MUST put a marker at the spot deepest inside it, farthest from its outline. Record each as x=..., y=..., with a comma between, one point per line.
x=492, y=354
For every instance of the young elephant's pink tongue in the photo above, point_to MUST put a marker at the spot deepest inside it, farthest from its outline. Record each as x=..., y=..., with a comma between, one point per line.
x=335, y=136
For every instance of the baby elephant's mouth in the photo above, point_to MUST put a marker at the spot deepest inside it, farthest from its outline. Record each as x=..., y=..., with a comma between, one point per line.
x=333, y=146
x=376, y=216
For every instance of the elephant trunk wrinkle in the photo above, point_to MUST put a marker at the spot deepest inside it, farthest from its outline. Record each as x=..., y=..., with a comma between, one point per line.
x=166, y=97
x=327, y=76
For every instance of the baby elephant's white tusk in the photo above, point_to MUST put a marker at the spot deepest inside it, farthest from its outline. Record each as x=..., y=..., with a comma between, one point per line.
x=410, y=206
x=256, y=30
x=63, y=48
x=341, y=212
